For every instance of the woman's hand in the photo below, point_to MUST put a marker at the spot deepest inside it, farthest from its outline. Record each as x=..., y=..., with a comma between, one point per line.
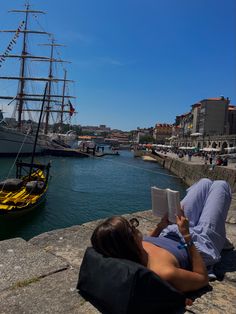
x=160, y=226
x=183, y=223
x=164, y=222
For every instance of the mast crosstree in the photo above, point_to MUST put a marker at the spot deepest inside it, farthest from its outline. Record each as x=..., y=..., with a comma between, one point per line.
x=55, y=103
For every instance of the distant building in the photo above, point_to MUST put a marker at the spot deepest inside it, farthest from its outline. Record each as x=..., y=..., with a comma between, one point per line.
x=96, y=129
x=213, y=116
x=211, y=123
x=196, y=108
x=162, y=131
x=232, y=119
x=142, y=132
x=184, y=124
x=118, y=137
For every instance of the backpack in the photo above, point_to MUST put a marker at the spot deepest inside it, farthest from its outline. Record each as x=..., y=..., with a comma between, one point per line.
x=119, y=286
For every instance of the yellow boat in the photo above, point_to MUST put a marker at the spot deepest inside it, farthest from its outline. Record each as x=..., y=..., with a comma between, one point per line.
x=27, y=190
x=23, y=193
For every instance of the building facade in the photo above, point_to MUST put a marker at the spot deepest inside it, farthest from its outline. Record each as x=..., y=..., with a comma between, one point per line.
x=211, y=123
x=161, y=132
x=213, y=116
x=232, y=119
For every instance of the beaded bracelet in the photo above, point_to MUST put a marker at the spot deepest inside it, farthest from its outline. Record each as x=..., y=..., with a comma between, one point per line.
x=183, y=245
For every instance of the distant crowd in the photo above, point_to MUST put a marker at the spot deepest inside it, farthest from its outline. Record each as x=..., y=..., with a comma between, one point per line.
x=212, y=158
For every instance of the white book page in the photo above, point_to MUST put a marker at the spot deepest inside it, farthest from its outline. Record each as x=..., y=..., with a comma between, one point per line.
x=173, y=204
x=159, y=202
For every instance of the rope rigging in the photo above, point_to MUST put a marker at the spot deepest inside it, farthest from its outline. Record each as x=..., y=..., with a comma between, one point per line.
x=13, y=165
x=12, y=43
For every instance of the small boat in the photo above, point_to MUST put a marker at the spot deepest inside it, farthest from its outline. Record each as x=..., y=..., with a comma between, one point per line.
x=27, y=190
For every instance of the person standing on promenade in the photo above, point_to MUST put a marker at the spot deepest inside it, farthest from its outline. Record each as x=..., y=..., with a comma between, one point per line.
x=205, y=158
x=189, y=156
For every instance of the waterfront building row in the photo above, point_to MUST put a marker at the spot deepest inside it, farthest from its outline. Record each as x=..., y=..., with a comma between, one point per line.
x=211, y=123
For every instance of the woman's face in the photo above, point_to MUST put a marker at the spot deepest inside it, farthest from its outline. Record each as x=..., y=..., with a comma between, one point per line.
x=138, y=237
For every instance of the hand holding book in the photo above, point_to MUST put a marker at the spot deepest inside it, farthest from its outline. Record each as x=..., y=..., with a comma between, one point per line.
x=183, y=224
x=165, y=202
x=160, y=226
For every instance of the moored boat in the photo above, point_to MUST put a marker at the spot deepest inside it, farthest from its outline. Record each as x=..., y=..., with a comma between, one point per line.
x=22, y=194
x=26, y=191
x=13, y=141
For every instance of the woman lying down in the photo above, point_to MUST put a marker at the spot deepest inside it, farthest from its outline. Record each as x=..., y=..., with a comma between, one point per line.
x=180, y=253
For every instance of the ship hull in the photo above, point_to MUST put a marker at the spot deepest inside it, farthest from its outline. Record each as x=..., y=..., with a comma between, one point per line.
x=13, y=142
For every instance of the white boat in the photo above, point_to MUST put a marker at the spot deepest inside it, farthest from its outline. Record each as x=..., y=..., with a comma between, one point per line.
x=17, y=135
x=69, y=139
x=12, y=141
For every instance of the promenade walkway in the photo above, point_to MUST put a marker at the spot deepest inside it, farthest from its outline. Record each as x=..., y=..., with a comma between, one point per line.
x=195, y=160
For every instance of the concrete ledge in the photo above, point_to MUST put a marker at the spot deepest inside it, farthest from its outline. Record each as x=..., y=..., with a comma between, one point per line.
x=22, y=263
x=40, y=276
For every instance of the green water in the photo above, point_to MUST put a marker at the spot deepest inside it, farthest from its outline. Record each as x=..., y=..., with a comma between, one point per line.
x=85, y=189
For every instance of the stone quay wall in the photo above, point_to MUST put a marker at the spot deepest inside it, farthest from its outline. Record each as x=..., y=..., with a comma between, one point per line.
x=192, y=172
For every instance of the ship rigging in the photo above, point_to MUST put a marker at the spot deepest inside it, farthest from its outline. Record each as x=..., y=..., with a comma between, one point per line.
x=29, y=87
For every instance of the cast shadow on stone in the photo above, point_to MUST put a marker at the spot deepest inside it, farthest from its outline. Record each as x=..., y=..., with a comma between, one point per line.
x=226, y=265
x=193, y=296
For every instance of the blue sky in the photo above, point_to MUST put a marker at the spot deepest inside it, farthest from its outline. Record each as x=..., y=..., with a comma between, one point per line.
x=140, y=62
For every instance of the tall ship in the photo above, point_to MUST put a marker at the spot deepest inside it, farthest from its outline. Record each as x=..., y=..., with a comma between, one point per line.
x=23, y=74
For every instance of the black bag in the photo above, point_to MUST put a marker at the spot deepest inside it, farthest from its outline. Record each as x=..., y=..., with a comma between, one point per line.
x=118, y=286
x=11, y=185
x=35, y=187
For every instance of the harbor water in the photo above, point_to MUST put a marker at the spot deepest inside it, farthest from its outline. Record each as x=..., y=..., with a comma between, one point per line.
x=85, y=189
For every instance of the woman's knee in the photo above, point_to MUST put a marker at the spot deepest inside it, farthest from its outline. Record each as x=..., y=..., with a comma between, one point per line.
x=205, y=182
x=223, y=185
x=201, y=186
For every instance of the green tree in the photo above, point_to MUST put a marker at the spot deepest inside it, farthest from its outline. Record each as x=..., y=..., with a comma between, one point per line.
x=146, y=139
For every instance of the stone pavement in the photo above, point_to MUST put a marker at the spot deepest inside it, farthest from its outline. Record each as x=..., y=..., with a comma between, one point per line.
x=40, y=276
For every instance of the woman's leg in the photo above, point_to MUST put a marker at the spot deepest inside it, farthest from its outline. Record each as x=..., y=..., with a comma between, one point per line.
x=209, y=234
x=206, y=206
x=194, y=202
x=217, y=206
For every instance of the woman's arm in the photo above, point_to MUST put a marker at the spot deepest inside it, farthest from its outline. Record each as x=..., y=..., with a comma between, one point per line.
x=197, y=262
x=183, y=280
x=160, y=226
x=198, y=277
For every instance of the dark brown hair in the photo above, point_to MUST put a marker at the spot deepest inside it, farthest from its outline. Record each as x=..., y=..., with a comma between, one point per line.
x=116, y=237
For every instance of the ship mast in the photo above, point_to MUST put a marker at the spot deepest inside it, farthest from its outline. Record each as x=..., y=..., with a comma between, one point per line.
x=24, y=55
x=50, y=76
x=22, y=96
x=22, y=71
x=63, y=97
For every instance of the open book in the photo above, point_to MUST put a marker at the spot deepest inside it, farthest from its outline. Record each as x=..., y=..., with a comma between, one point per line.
x=165, y=201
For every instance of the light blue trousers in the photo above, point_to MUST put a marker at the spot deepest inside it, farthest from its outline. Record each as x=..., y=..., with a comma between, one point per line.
x=206, y=205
